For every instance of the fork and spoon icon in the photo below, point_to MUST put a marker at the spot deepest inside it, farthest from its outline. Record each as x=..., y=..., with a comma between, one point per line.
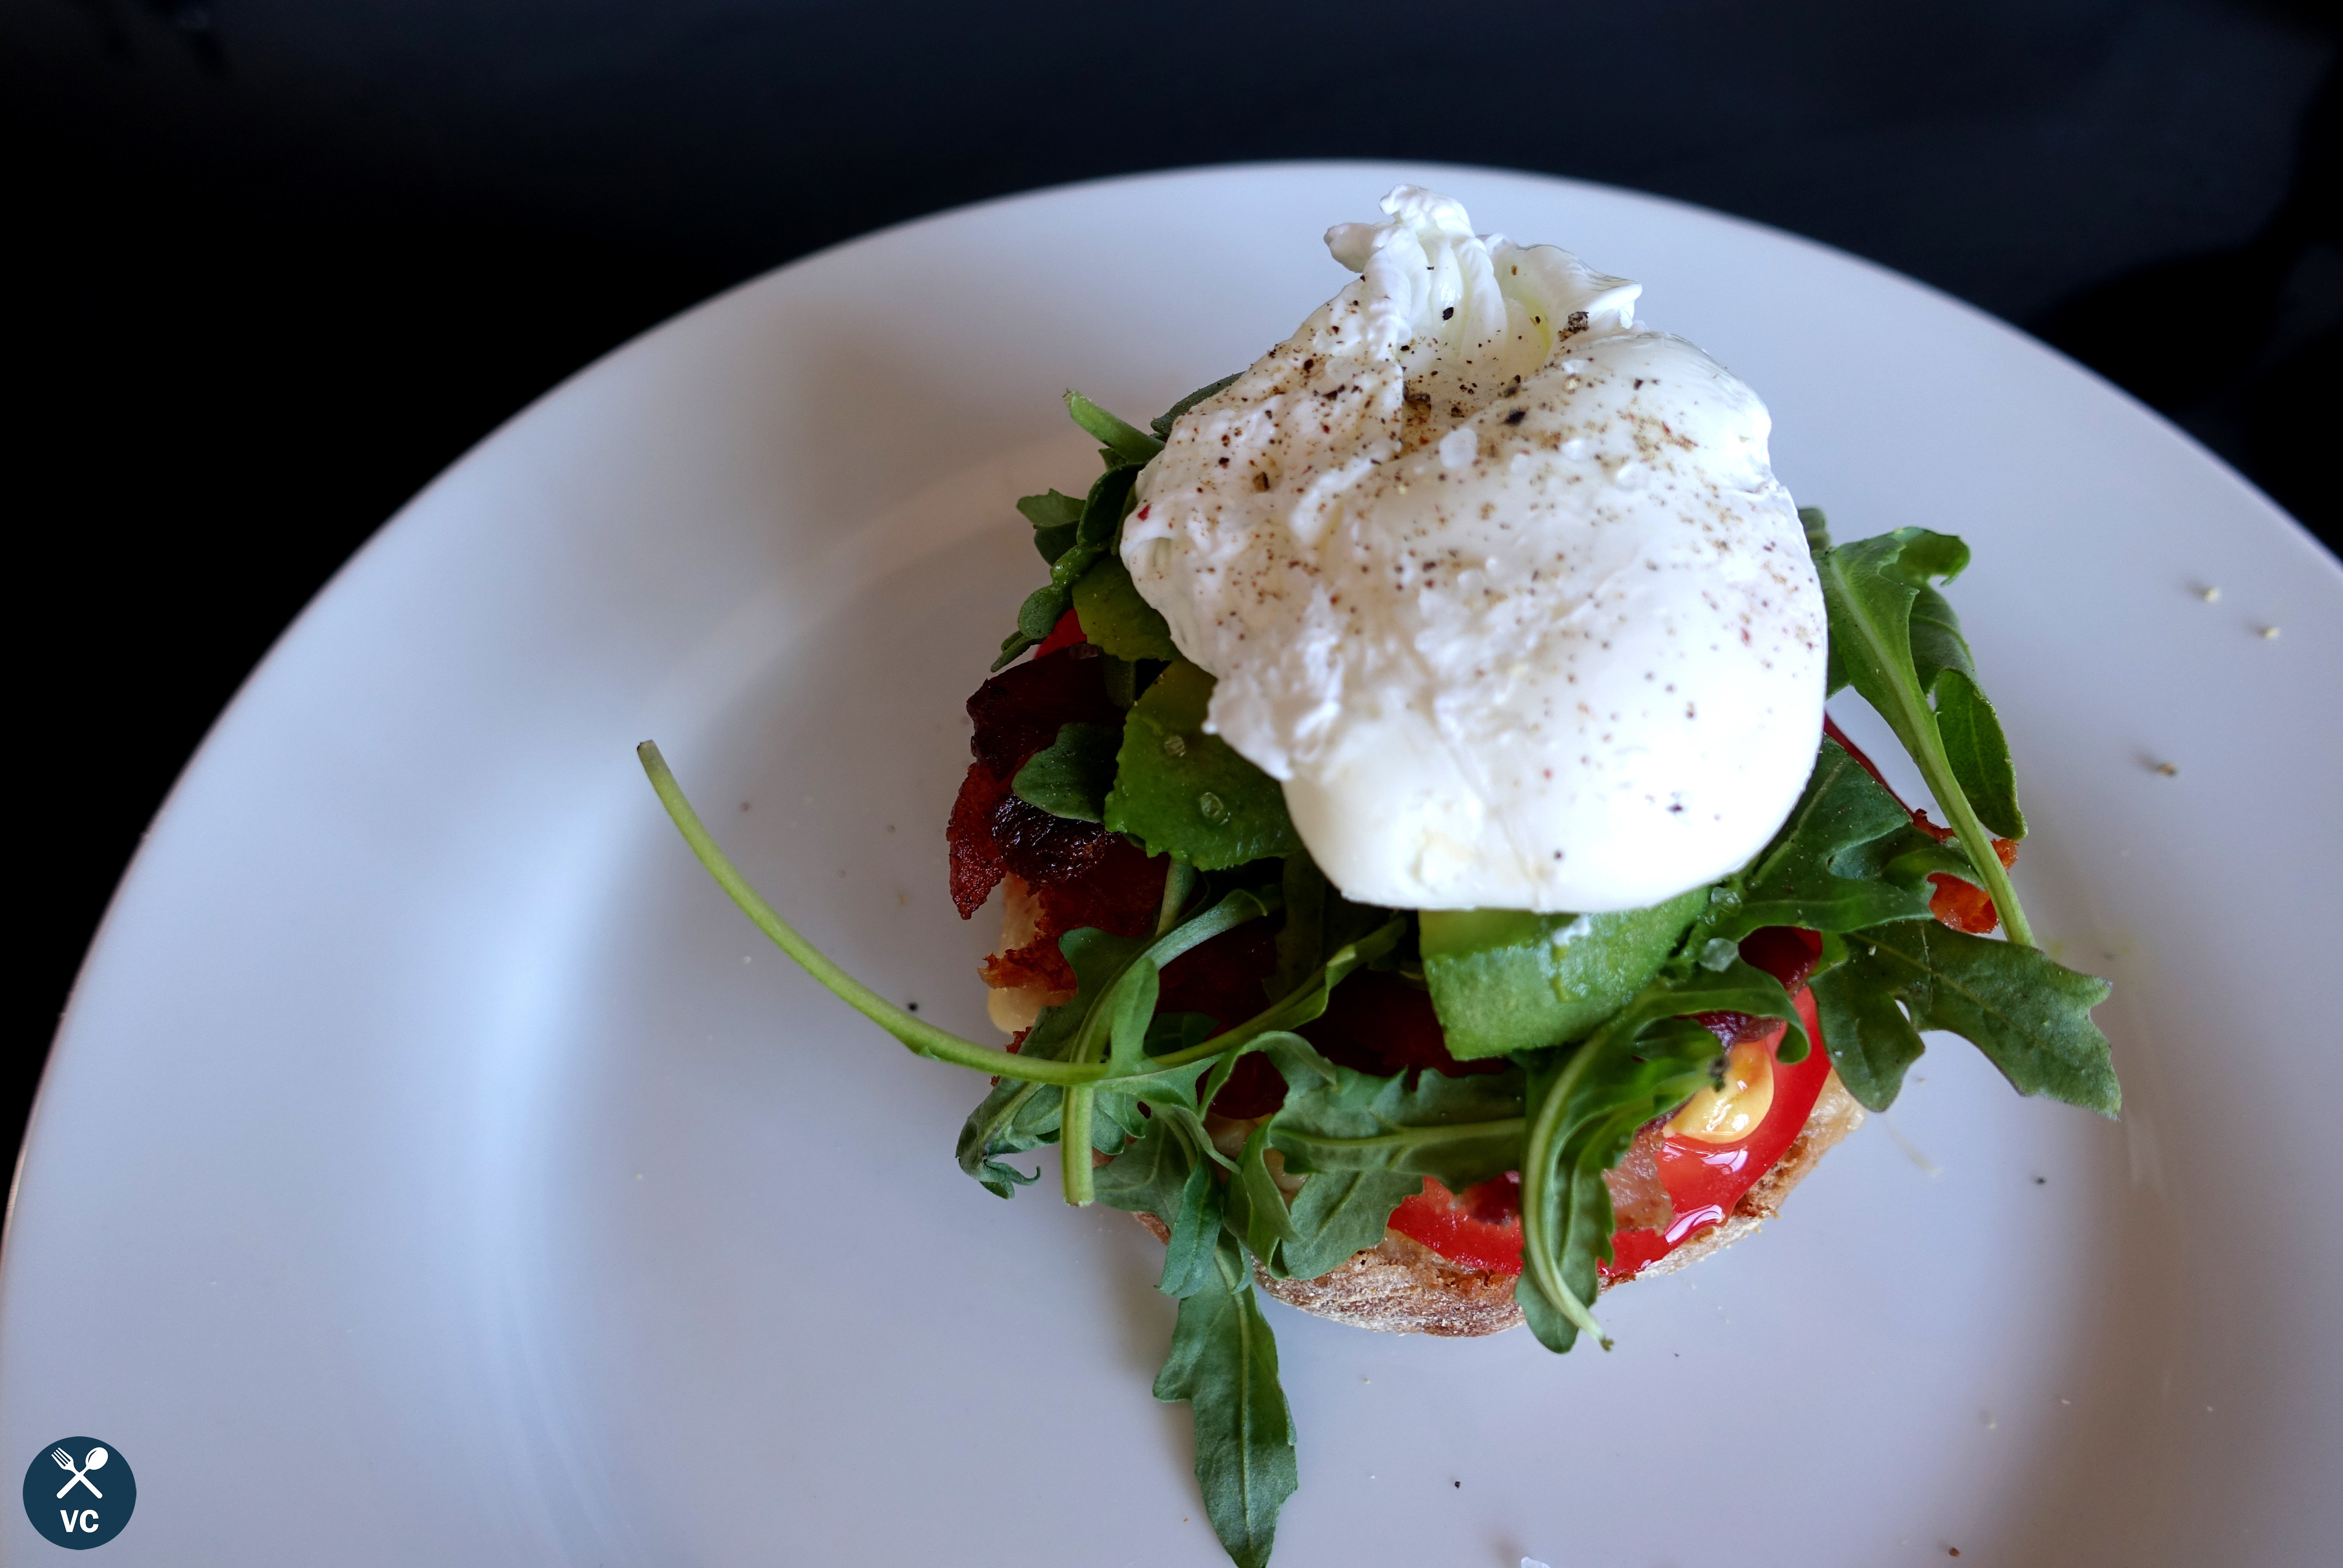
x=96, y=1461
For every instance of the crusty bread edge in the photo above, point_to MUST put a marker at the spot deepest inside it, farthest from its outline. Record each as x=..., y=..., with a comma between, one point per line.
x=1403, y=1287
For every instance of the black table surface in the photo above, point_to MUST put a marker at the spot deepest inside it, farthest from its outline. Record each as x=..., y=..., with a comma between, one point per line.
x=275, y=265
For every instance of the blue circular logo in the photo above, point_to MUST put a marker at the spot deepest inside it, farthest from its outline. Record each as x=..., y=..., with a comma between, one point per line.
x=79, y=1491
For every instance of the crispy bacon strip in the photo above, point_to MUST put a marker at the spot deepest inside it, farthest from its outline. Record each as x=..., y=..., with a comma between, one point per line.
x=992, y=832
x=1078, y=873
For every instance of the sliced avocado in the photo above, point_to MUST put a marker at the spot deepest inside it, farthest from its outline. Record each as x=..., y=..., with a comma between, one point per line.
x=1506, y=980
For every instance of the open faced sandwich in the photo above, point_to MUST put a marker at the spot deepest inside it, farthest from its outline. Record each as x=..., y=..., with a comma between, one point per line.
x=1432, y=891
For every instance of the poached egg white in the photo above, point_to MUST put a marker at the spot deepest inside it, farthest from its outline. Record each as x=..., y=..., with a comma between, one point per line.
x=1498, y=582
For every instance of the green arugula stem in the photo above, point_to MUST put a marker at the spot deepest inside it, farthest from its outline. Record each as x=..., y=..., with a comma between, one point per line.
x=923, y=1038
x=1538, y=1158
x=1225, y=916
x=1227, y=1040
x=1916, y=725
x=1126, y=441
x=1179, y=882
x=1077, y=1078
x=1077, y=1171
x=1279, y=1014
x=1976, y=843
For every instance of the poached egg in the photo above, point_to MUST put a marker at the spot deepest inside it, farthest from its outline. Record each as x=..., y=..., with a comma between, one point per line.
x=1494, y=579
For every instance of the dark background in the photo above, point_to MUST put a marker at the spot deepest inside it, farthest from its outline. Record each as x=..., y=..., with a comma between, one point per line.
x=272, y=264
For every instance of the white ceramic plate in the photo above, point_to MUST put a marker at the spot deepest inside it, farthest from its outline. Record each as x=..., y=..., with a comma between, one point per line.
x=435, y=1167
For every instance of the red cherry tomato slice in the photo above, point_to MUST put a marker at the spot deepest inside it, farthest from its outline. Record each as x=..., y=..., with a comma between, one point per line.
x=1705, y=1180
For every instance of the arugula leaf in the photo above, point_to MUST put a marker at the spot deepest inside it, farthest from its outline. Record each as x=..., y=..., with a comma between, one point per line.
x=1256, y=1206
x=1111, y=1015
x=1017, y=1118
x=1196, y=1233
x=1168, y=1170
x=1053, y=517
x=1116, y=1101
x=1364, y=1144
x=2030, y=1015
x=1905, y=857
x=1895, y=638
x=1739, y=986
x=1094, y=531
x=1586, y=1106
x=1463, y=1129
x=1296, y=1060
x=1872, y=1043
x=1166, y=1085
x=1223, y=1363
x=1124, y=443
x=1070, y=776
x=1181, y=791
x=1978, y=752
x=1818, y=540
x=1974, y=743
x=1116, y=618
x=1151, y=1175
x=1339, y=1213
x=1824, y=870
x=1163, y=422
x=1271, y=1032
x=1103, y=509
x=1307, y=1000
x=1130, y=1010
x=1122, y=678
x=1117, y=1023
x=1101, y=962
x=1132, y=1024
